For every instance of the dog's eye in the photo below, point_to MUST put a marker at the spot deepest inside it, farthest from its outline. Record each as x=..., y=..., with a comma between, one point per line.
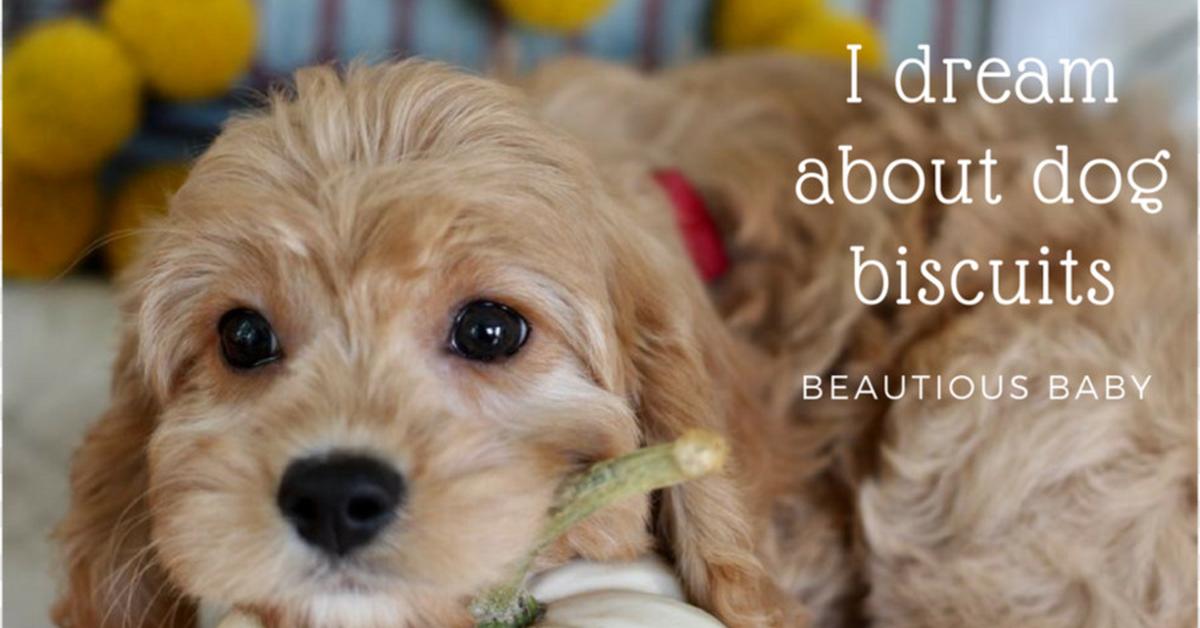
x=247, y=340
x=487, y=331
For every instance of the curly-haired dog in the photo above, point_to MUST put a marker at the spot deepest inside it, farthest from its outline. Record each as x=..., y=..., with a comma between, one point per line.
x=385, y=317
x=927, y=512
x=381, y=323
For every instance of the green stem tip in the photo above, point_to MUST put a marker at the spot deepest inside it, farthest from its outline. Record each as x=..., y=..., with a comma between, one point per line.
x=694, y=454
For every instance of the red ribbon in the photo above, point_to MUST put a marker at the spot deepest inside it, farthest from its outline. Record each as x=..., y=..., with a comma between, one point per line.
x=696, y=225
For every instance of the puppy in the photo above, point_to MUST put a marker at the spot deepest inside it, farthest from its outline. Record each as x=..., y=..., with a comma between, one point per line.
x=384, y=319
x=387, y=316
x=939, y=513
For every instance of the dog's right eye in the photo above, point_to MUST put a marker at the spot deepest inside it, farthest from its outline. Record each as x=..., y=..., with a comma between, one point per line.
x=486, y=331
x=247, y=340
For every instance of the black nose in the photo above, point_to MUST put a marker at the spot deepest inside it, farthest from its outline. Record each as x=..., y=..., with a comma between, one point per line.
x=340, y=501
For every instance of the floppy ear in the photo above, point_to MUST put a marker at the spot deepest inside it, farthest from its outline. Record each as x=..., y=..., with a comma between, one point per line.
x=113, y=577
x=688, y=374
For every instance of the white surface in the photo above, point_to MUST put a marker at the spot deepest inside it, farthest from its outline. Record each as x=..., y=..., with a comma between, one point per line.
x=648, y=575
x=624, y=609
x=59, y=342
x=637, y=594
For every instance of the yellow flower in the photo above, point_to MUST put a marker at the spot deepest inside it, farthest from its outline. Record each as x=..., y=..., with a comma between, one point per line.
x=71, y=98
x=140, y=199
x=555, y=15
x=826, y=35
x=188, y=49
x=753, y=23
x=48, y=223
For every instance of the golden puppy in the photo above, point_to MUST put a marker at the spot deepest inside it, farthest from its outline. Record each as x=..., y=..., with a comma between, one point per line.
x=381, y=323
x=939, y=512
x=387, y=316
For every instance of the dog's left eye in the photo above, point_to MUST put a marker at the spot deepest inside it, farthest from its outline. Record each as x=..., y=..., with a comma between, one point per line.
x=485, y=331
x=247, y=340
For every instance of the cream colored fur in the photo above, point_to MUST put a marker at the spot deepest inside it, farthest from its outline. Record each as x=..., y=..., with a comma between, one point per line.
x=940, y=513
x=360, y=211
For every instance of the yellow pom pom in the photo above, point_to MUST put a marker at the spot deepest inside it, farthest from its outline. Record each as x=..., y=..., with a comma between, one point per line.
x=555, y=15
x=827, y=34
x=139, y=200
x=71, y=98
x=48, y=223
x=188, y=49
x=754, y=23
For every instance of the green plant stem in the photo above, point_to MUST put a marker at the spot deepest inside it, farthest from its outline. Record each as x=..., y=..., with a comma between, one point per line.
x=695, y=454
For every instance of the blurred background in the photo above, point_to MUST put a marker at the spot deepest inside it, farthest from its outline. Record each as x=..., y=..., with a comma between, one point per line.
x=106, y=101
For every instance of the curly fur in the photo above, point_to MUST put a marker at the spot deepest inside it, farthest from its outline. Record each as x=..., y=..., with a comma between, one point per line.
x=358, y=212
x=938, y=513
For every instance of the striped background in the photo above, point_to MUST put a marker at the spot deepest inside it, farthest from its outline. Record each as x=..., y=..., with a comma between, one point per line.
x=472, y=34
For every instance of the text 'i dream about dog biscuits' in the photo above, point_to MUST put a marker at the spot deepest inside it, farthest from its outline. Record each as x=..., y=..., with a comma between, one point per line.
x=1056, y=181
